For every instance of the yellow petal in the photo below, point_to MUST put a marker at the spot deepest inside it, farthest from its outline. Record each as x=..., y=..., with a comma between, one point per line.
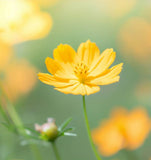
x=52, y=65
x=64, y=54
x=59, y=69
x=110, y=77
x=79, y=89
x=73, y=89
x=56, y=82
x=88, y=52
x=90, y=89
x=105, y=60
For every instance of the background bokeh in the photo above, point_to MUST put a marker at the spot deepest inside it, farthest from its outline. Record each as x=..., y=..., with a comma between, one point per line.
x=125, y=26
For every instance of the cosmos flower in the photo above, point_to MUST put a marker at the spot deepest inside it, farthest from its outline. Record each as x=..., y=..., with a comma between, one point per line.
x=5, y=55
x=123, y=130
x=135, y=42
x=81, y=72
x=116, y=8
x=22, y=20
x=19, y=78
x=46, y=3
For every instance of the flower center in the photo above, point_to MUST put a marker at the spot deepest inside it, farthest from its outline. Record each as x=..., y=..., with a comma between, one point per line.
x=81, y=71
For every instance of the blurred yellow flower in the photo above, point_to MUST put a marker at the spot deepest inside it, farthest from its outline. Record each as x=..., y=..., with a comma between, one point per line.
x=22, y=20
x=116, y=8
x=19, y=78
x=46, y=3
x=81, y=72
x=137, y=128
x=123, y=130
x=5, y=55
x=135, y=40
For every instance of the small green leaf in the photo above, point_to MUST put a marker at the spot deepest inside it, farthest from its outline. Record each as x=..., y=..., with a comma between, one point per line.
x=31, y=130
x=68, y=129
x=65, y=130
x=11, y=128
x=32, y=134
x=31, y=141
x=64, y=124
x=69, y=134
x=5, y=124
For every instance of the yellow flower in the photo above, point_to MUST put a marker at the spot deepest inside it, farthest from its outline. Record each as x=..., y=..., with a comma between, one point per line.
x=137, y=128
x=116, y=8
x=5, y=55
x=19, y=78
x=123, y=130
x=22, y=20
x=81, y=72
x=46, y=3
x=134, y=45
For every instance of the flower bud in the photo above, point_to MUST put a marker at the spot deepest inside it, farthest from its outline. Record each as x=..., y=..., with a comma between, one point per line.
x=48, y=130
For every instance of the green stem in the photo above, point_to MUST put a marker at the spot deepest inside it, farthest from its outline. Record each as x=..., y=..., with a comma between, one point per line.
x=55, y=151
x=88, y=130
x=15, y=118
x=4, y=114
x=17, y=122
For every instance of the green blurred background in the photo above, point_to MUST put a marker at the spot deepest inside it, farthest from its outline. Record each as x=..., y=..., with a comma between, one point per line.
x=74, y=22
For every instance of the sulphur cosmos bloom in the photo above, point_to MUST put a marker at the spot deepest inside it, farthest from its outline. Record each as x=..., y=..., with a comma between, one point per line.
x=22, y=20
x=123, y=130
x=81, y=72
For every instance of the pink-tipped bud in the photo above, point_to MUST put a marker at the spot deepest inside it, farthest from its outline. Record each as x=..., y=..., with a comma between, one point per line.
x=48, y=129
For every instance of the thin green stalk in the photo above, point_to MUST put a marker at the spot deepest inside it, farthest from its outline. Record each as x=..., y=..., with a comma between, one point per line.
x=35, y=152
x=4, y=114
x=55, y=151
x=89, y=131
x=18, y=123
x=16, y=119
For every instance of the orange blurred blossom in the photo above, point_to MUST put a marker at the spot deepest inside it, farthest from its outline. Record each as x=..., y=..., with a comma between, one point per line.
x=19, y=78
x=135, y=40
x=123, y=130
x=116, y=8
x=5, y=55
